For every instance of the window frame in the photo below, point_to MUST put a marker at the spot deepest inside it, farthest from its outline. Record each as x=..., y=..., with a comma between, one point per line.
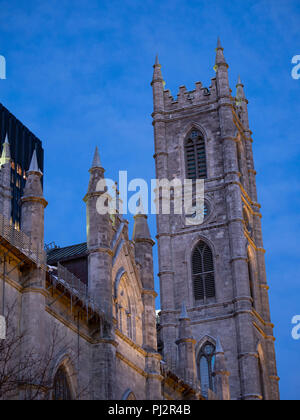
x=210, y=359
x=197, y=141
x=61, y=375
x=206, y=284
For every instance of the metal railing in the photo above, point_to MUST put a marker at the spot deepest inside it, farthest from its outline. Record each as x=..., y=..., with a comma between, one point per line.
x=21, y=241
x=76, y=288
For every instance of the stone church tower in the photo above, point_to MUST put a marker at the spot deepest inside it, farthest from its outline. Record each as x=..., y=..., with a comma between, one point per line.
x=217, y=269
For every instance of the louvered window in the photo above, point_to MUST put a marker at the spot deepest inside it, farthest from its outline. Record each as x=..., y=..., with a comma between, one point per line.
x=195, y=156
x=203, y=272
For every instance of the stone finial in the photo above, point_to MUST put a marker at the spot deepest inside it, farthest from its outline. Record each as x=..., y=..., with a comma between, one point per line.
x=219, y=348
x=96, y=160
x=240, y=94
x=184, y=314
x=157, y=75
x=34, y=167
x=141, y=231
x=5, y=156
x=221, y=373
x=220, y=59
x=33, y=186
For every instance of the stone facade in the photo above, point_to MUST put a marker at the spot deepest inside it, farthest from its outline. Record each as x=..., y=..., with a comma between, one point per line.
x=97, y=339
x=238, y=315
x=102, y=335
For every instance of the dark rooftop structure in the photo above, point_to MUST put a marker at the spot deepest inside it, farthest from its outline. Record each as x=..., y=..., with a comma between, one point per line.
x=74, y=258
x=22, y=144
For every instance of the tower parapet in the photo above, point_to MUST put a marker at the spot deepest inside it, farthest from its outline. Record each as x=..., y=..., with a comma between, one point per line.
x=200, y=96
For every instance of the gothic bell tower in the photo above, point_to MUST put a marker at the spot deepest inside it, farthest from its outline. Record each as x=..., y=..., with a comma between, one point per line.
x=216, y=268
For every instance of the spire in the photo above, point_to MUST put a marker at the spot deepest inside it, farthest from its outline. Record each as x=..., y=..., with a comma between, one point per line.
x=157, y=76
x=221, y=374
x=220, y=59
x=184, y=314
x=96, y=160
x=141, y=231
x=96, y=175
x=5, y=157
x=240, y=94
x=33, y=186
x=34, y=167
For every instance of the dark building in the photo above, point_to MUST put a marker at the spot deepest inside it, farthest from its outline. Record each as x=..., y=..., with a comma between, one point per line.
x=22, y=144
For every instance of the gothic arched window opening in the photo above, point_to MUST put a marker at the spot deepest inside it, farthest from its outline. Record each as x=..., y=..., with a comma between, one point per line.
x=206, y=360
x=195, y=156
x=251, y=284
x=61, y=386
x=203, y=272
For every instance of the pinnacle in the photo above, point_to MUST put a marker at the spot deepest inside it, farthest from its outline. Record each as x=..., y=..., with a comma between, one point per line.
x=157, y=76
x=96, y=160
x=34, y=167
x=219, y=349
x=5, y=156
x=184, y=314
x=220, y=59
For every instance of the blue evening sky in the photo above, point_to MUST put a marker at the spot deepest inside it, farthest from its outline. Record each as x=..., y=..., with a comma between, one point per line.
x=78, y=75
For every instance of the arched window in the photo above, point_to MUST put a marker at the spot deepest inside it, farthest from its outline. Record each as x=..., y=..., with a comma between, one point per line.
x=251, y=285
x=195, y=156
x=206, y=360
x=126, y=309
x=128, y=395
x=61, y=386
x=261, y=379
x=203, y=272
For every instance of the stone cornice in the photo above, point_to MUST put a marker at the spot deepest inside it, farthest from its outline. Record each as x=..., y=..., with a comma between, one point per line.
x=259, y=317
x=149, y=292
x=130, y=342
x=208, y=108
x=145, y=240
x=165, y=273
x=186, y=340
x=34, y=199
x=69, y=324
x=265, y=336
x=102, y=250
x=248, y=354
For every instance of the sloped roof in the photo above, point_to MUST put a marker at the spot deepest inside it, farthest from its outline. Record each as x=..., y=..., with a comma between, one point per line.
x=59, y=254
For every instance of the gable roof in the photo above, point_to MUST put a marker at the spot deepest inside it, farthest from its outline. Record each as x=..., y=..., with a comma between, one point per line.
x=58, y=254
